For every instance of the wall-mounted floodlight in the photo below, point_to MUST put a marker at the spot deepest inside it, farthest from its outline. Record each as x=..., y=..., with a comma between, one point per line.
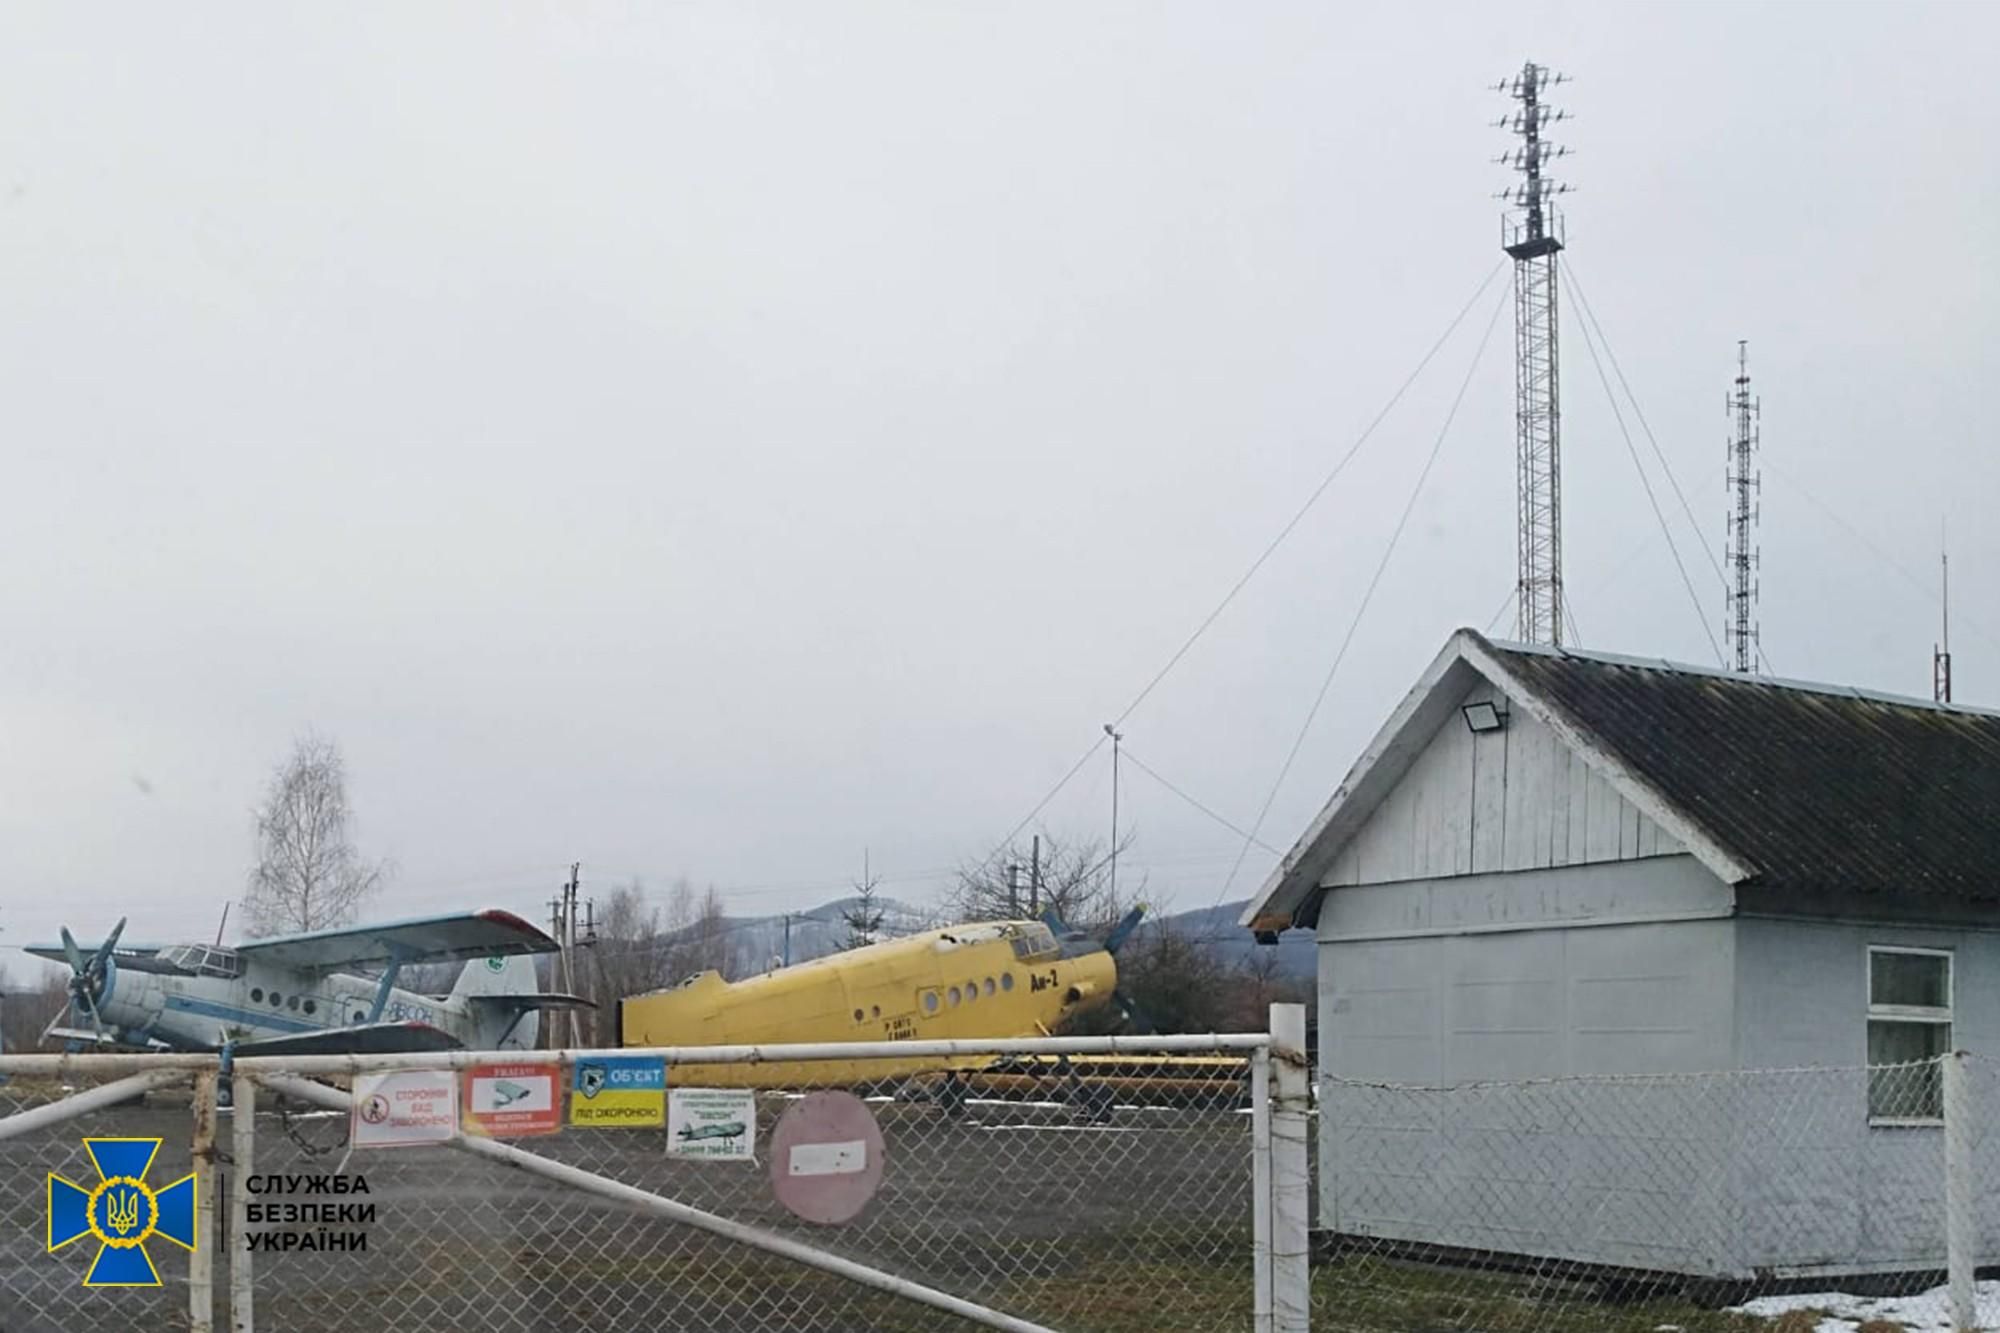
x=1483, y=717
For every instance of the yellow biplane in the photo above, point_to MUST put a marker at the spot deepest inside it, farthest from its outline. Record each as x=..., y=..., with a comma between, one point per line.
x=980, y=980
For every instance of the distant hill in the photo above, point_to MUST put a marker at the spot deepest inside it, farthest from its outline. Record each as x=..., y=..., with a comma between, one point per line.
x=1216, y=927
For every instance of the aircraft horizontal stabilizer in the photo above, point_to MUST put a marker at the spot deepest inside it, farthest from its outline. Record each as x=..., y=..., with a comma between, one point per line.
x=532, y=1000
x=362, y=1039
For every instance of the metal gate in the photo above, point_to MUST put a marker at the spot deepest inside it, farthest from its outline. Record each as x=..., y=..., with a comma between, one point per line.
x=1144, y=1197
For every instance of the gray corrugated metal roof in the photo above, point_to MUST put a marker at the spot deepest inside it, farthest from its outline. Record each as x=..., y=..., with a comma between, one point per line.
x=1812, y=786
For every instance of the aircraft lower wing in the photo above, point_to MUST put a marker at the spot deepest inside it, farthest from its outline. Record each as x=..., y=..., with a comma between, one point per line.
x=531, y=1000
x=362, y=1039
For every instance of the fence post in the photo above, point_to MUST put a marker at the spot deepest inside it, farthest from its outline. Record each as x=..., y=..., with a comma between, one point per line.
x=1960, y=1235
x=243, y=1138
x=1260, y=1188
x=201, y=1264
x=1291, y=1178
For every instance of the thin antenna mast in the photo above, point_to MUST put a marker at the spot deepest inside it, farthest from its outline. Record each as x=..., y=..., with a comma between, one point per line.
x=1530, y=237
x=1741, y=549
x=1941, y=650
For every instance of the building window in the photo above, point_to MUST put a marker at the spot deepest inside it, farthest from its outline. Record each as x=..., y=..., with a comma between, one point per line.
x=1909, y=1021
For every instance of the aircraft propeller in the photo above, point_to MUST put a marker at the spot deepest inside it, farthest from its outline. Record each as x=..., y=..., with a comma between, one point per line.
x=1075, y=941
x=88, y=975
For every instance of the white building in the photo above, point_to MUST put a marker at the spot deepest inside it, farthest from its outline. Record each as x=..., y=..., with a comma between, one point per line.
x=1552, y=864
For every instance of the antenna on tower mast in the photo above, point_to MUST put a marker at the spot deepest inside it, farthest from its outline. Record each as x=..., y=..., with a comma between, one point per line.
x=1941, y=650
x=1741, y=550
x=1530, y=234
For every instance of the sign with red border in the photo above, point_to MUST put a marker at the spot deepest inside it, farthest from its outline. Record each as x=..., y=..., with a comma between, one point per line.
x=403, y=1109
x=503, y=1101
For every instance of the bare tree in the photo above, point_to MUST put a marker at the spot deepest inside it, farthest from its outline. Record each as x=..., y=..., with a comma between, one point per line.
x=30, y=1008
x=1075, y=880
x=1259, y=985
x=1175, y=982
x=863, y=914
x=308, y=875
x=632, y=954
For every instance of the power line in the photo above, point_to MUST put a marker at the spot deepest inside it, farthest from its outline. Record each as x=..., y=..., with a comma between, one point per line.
x=1269, y=550
x=1611, y=353
x=1312, y=499
x=1792, y=483
x=1367, y=596
x=1147, y=769
x=1617, y=415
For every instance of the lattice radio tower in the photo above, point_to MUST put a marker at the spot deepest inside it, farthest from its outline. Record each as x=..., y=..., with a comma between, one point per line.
x=1745, y=484
x=1531, y=236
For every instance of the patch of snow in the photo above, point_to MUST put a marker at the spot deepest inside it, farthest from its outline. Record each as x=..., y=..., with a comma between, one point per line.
x=1926, y=1312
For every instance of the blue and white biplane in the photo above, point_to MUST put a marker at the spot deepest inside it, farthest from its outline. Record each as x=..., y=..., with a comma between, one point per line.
x=310, y=994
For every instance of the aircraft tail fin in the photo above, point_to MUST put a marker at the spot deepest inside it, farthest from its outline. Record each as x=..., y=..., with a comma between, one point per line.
x=498, y=1027
x=497, y=976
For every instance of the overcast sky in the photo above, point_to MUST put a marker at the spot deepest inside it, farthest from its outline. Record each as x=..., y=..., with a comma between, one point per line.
x=711, y=440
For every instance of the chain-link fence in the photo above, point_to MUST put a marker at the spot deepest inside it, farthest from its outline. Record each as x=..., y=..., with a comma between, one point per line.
x=1080, y=1184
x=1121, y=1201
x=1043, y=1190
x=41, y=1290
x=1695, y=1202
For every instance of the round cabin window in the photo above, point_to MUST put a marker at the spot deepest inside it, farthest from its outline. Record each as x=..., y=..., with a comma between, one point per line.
x=309, y=1006
x=858, y=1015
x=875, y=1011
x=276, y=999
x=951, y=996
x=256, y=995
x=930, y=1001
x=292, y=1002
x=1006, y=981
x=989, y=985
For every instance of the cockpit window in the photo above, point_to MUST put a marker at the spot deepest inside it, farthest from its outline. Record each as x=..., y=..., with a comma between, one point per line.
x=1035, y=941
x=204, y=960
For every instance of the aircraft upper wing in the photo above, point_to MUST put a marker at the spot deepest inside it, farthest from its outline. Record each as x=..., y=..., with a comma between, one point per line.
x=483, y=934
x=132, y=957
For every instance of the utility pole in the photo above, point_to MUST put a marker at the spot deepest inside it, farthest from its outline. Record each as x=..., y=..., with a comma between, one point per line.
x=1941, y=650
x=1035, y=878
x=788, y=939
x=558, y=979
x=1531, y=238
x=1013, y=889
x=569, y=948
x=1741, y=549
x=1117, y=739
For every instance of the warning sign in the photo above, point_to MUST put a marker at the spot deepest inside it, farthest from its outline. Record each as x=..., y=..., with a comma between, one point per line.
x=826, y=1157
x=719, y=1124
x=511, y=1101
x=629, y=1091
x=404, y=1108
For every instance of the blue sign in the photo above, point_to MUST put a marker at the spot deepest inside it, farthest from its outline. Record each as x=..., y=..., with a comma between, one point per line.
x=619, y=1090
